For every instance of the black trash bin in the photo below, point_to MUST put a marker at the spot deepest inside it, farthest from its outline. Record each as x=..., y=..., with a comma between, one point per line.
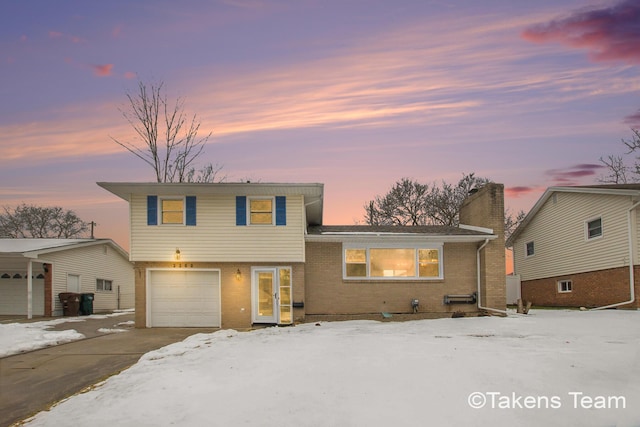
x=70, y=303
x=86, y=304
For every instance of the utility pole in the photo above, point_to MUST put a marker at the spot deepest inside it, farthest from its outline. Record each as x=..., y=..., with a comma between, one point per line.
x=93, y=224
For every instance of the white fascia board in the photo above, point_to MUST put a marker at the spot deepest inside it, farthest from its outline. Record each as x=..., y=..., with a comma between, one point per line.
x=403, y=237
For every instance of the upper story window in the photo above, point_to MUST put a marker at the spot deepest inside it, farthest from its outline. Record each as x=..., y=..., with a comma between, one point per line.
x=261, y=211
x=172, y=211
x=393, y=263
x=529, y=249
x=594, y=228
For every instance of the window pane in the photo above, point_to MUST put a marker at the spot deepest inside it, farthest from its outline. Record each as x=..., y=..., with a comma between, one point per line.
x=595, y=228
x=261, y=205
x=261, y=211
x=530, y=249
x=429, y=262
x=172, y=211
x=393, y=262
x=356, y=262
x=261, y=218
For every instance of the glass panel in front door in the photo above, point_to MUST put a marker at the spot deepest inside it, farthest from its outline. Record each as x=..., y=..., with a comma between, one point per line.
x=265, y=294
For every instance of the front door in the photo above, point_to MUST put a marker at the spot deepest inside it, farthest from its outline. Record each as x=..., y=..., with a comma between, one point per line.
x=271, y=295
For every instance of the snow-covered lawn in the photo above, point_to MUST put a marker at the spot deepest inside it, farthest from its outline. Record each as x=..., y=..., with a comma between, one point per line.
x=551, y=368
x=20, y=337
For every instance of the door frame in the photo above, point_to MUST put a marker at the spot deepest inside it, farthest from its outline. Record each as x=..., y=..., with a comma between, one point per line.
x=275, y=270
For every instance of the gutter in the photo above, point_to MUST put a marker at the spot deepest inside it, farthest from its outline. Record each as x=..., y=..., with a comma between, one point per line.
x=480, y=306
x=631, y=275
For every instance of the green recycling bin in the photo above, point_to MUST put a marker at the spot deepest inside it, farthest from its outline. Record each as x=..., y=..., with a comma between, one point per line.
x=86, y=304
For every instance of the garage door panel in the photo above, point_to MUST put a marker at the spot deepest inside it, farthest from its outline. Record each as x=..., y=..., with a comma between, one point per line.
x=13, y=297
x=184, y=298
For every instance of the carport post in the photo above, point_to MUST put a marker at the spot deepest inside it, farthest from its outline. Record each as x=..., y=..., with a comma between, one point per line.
x=29, y=289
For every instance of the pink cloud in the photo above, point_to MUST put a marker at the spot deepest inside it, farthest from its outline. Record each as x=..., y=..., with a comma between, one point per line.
x=23, y=38
x=633, y=120
x=130, y=75
x=102, y=70
x=55, y=34
x=571, y=175
x=519, y=191
x=609, y=34
x=116, y=31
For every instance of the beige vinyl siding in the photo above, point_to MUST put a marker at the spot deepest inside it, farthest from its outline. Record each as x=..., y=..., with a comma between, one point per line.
x=560, y=244
x=215, y=237
x=91, y=263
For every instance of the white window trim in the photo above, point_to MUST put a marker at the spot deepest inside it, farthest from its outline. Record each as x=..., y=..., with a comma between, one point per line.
x=184, y=210
x=526, y=253
x=560, y=291
x=416, y=247
x=586, y=228
x=273, y=210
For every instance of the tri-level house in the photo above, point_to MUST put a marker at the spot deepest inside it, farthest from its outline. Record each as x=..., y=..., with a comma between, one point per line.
x=579, y=246
x=235, y=255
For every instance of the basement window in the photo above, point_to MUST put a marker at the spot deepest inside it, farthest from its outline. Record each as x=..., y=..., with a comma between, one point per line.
x=564, y=286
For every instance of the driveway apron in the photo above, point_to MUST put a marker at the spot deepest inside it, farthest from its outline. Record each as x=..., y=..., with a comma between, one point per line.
x=31, y=382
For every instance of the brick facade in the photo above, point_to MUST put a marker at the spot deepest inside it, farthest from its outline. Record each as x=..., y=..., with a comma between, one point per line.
x=327, y=294
x=592, y=289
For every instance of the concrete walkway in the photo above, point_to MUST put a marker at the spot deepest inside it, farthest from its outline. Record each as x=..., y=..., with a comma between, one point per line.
x=32, y=382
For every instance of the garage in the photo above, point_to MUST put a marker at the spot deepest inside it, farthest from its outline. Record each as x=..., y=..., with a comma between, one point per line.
x=183, y=298
x=14, y=296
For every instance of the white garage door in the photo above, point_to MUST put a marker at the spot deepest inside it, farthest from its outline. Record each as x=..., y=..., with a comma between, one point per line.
x=184, y=298
x=13, y=297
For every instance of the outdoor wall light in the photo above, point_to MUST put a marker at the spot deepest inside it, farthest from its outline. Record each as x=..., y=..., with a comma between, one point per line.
x=177, y=254
x=238, y=275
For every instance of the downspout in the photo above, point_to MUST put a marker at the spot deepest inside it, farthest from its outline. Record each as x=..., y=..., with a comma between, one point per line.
x=480, y=306
x=631, y=275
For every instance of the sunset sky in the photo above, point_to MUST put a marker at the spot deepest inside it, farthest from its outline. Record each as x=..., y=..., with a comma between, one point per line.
x=355, y=94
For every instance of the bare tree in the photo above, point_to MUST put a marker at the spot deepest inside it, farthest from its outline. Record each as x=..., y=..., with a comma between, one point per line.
x=618, y=172
x=511, y=222
x=412, y=203
x=168, y=138
x=29, y=221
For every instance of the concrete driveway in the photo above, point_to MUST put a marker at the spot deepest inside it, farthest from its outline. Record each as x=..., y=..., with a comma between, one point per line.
x=32, y=382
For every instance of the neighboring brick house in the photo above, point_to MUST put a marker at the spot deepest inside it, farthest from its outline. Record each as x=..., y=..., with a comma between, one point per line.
x=233, y=255
x=49, y=267
x=578, y=247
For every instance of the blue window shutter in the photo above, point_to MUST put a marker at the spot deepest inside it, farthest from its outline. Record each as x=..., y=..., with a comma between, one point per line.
x=191, y=210
x=281, y=210
x=241, y=210
x=152, y=210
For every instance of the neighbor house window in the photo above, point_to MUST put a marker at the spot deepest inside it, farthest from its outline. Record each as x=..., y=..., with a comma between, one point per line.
x=393, y=263
x=261, y=211
x=594, y=228
x=564, y=286
x=104, y=285
x=172, y=211
x=529, y=250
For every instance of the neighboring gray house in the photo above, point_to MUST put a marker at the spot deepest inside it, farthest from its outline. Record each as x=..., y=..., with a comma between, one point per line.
x=579, y=246
x=51, y=266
